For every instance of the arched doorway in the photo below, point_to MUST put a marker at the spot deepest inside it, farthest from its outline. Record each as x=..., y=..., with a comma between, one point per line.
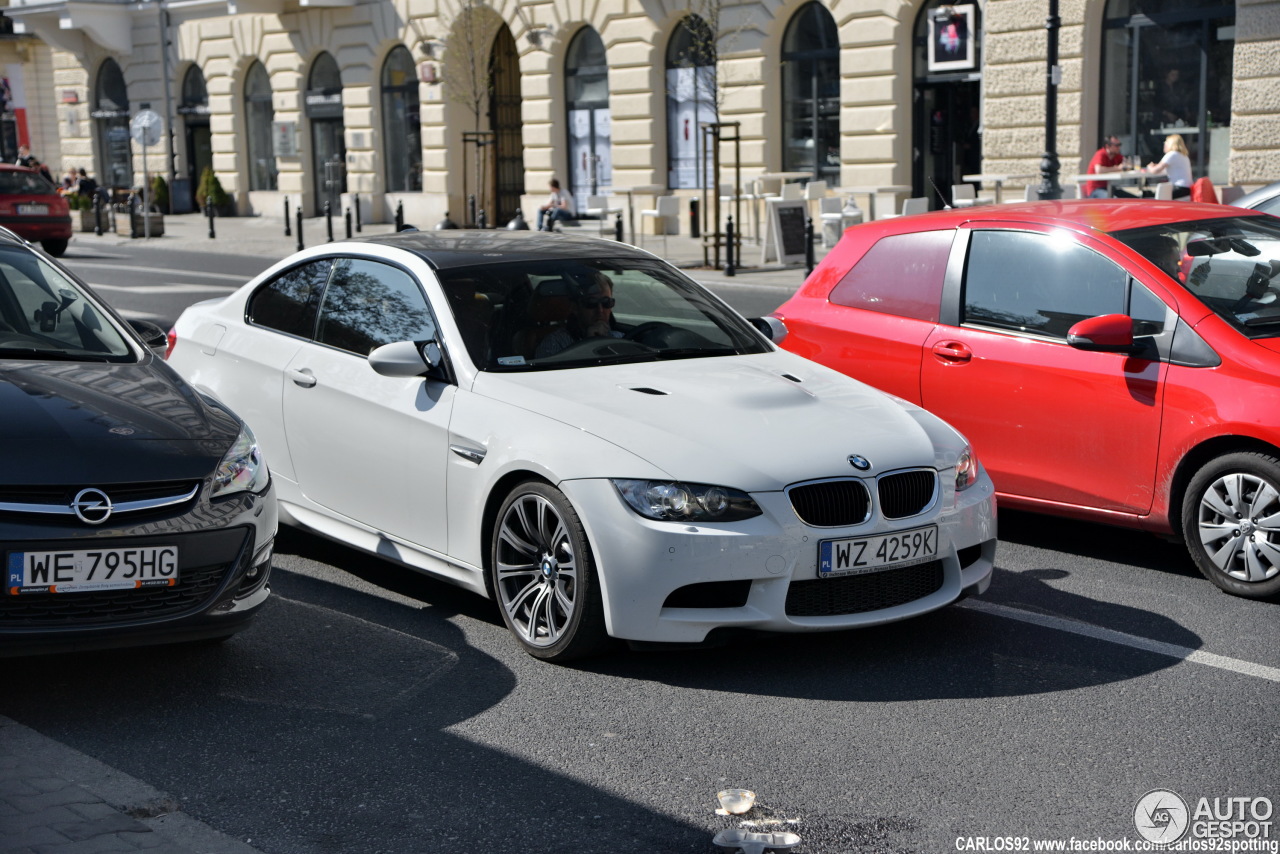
x=691, y=100
x=401, y=123
x=194, y=109
x=259, y=116
x=947, y=117
x=811, y=94
x=507, y=127
x=328, y=140
x=587, y=100
x=1167, y=68
x=111, y=118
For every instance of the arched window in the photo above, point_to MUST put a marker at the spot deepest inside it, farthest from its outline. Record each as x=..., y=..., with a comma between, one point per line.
x=587, y=96
x=1167, y=68
x=691, y=99
x=328, y=132
x=811, y=94
x=259, y=115
x=401, y=128
x=111, y=116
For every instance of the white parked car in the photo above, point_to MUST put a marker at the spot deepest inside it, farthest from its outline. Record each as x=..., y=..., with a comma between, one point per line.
x=574, y=428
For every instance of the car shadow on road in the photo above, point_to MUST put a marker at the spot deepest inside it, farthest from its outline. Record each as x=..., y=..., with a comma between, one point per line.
x=325, y=727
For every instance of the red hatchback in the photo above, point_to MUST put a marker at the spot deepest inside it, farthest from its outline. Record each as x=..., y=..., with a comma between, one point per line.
x=31, y=208
x=1116, y=361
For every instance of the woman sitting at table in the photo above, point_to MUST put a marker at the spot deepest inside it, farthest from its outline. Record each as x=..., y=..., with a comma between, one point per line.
x=1176, y=164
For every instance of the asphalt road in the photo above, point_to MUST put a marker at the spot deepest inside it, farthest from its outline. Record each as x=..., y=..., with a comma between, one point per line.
x=370, y=709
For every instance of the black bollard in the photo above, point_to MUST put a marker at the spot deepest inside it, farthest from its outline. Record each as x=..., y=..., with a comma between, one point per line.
x=729, y=269
x=208, y=212
x=347, y=216
x=298, y=228
x=287, y=233
x=471, y=208
x=808, y=245
x=356, y=198
x=400, y=215
x=97, y=214
x=482, y=221
x=328, y=221
x=617, y=228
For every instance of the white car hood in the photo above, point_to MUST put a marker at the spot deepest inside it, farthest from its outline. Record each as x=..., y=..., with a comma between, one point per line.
x=734, y=421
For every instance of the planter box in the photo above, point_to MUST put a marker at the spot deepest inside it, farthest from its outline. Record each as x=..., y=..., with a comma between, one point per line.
x=88, y=224
x=134, y=226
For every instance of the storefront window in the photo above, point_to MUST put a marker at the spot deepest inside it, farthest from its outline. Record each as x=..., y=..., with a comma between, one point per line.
x=587, y=84
x=111, y=116
x=402, y=130
x=1167, y=68
x=259, y=116
x=811, y=94
x=691, y=99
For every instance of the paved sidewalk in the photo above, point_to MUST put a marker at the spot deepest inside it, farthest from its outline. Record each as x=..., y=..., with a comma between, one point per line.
x=265, y=236
x=55, y=800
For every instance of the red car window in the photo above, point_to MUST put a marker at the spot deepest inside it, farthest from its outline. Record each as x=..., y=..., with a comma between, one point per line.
x=901, y=274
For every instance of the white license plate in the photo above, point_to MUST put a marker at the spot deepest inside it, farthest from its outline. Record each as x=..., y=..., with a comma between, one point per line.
x=858, y=555
x=34, y=210
x=92, y=569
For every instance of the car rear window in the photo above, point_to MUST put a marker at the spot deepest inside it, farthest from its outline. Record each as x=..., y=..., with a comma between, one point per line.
x=901, y=274
x=24, y=184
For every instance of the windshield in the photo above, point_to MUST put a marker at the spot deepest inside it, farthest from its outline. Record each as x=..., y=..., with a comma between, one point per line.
x=1232, y=265
x=46, y=315
x=574, y=313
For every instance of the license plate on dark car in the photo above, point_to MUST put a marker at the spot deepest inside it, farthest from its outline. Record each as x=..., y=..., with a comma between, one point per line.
x=86, y=570
x=857, y=555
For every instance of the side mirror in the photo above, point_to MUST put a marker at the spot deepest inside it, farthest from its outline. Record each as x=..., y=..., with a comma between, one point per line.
x=1109, y=333
x=770, y=327
x=407, y=359
x=151, y=334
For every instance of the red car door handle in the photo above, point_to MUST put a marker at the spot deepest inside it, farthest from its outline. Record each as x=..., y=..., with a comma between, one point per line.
x=303, y=377
x=952, y=351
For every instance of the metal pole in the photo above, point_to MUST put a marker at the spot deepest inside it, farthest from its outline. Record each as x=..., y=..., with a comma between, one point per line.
x=617, y=228
x=287, y=232
x=328, y=220
x=170, y=155
x=729, y=269
x=347, y=217
x=356, y=198
x=1049, y=186
x=208, y=212
x=97, y=213
x=298, y=228
x=808, y=245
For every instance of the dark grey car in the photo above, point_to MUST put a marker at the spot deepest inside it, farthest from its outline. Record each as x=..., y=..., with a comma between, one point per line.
x=133, y=509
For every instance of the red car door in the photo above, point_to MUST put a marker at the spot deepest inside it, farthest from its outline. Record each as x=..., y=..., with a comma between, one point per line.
x=1050, y=422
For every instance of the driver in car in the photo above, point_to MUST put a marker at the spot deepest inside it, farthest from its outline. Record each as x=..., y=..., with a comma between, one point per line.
x=592, y=317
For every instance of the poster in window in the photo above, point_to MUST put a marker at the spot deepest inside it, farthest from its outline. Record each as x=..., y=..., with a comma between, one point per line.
x=951, y=38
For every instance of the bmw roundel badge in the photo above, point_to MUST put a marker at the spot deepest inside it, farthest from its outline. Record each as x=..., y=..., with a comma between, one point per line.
x=859, y=462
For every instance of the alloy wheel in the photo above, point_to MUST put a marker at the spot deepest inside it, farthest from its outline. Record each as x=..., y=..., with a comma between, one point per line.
x=538, y=573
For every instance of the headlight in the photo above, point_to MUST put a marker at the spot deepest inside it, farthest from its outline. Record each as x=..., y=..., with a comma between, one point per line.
x=966, y=470
x=668, y=501
x=242, y=468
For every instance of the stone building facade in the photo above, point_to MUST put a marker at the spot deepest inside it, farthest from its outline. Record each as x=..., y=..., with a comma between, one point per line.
x=419, y=105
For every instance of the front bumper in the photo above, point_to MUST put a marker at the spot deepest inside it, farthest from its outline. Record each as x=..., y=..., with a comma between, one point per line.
x=224, y=569
x=762, y=573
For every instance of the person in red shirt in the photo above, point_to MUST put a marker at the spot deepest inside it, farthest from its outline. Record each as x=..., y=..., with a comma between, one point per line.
x=1106, y=159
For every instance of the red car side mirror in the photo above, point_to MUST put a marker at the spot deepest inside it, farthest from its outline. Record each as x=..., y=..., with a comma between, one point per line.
x=1109, y=333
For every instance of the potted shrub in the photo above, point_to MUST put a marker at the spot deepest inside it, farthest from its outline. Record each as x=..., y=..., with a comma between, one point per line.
x=160, y=195
x=210, y=191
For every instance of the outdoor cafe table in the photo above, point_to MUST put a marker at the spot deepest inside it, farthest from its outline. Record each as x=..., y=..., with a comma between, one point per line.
x=871, y=191
x=997, y=180
x=1139, y=175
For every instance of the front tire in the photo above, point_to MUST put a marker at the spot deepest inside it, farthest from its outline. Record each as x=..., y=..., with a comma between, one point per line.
x=544, y=576
x=56, y=248
x=1231, y=523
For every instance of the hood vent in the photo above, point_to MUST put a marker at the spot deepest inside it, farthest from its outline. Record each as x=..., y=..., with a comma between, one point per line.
x=646, y=390
x=792, y=377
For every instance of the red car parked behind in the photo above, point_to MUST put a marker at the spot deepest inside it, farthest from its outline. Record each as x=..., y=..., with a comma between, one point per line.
x=1117, y=361
x=31, y=208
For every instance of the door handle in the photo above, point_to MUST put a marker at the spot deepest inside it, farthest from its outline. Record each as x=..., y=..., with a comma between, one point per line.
x=302, y=378
x=952, y=352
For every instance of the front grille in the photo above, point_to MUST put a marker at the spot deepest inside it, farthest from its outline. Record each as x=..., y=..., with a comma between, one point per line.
x=831, y=503
x=858, y=594
x=48, y=500
x=907, y=493
x=205, y=561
